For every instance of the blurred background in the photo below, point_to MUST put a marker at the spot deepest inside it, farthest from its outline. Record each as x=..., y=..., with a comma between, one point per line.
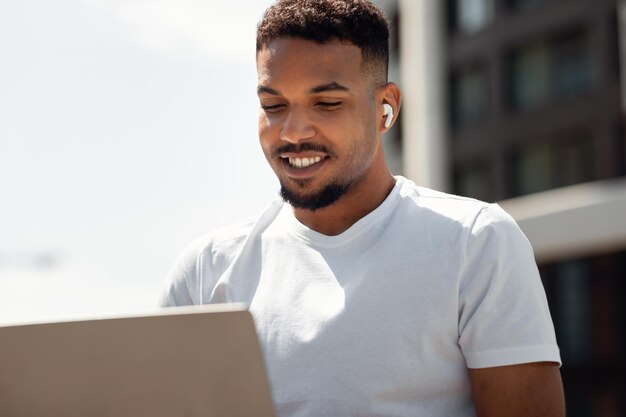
x=522, y=102
x=128, y=128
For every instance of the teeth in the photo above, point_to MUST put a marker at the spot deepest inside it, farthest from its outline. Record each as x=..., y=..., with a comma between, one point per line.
x=304, y=162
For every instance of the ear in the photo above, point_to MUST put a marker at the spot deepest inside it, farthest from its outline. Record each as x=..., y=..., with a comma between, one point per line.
x=387, y=94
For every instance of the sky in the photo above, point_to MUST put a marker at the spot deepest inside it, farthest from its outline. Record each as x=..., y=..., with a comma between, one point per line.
x=127, y=129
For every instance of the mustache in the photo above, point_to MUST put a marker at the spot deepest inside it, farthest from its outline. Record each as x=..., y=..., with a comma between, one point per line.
x=301, y=147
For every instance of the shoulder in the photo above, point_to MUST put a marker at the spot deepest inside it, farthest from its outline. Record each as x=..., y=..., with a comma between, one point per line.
x=225, y=237
x=429, y=198
x=453, y=221
x=227, y=240
x=437, y=207
x=208, y=256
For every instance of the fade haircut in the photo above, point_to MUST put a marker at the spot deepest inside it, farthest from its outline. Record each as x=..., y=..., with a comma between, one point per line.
x=358, y=22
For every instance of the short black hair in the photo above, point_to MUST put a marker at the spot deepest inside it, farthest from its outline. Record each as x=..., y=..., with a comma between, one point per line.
x=358, y=22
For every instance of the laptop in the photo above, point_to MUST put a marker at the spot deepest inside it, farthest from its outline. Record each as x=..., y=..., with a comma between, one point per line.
x=180, y=362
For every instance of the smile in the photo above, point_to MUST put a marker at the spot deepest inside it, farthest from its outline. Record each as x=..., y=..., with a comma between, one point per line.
x=304, y=162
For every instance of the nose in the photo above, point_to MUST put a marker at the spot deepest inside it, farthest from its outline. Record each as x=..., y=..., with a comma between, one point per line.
x=296, y=127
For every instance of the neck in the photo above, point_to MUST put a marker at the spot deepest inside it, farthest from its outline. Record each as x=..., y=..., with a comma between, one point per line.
x=360, y=199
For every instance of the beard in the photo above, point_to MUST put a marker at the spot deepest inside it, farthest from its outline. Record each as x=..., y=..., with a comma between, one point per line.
x=323, y=198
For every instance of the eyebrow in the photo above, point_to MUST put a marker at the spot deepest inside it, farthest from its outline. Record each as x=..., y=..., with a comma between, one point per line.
x=267, y=90
x=334, y=86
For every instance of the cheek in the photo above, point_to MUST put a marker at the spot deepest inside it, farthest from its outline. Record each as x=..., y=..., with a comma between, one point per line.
x=263, y=121
x=266, y=134
x=264, y=126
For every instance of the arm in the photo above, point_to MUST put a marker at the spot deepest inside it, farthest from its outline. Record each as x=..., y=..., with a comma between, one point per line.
x=527, y=390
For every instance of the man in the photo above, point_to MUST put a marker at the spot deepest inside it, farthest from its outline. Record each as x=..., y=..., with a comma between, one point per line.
x=372, y=296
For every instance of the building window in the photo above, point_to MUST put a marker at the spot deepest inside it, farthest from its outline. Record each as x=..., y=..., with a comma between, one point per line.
x=538, y=68
x=468, y=96
x=471, y=16
x=473, y=181
x=533, y=169
x=524, y=4
x=586, y=301
x=552, y=164
x=544, y=72
x=573, y=280
x=620, y=155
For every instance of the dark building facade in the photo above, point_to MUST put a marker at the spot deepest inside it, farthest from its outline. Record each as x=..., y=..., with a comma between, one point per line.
x=534, y=96
x=520, y=102
x=534, y=103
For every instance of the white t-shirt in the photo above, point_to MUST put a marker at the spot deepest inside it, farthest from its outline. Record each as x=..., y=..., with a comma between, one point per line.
x=385, y=318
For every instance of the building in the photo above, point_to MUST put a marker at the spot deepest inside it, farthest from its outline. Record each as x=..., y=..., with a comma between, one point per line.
x=522, y=102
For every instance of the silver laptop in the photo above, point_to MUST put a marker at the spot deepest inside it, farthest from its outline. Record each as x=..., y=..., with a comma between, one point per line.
x=184, y=362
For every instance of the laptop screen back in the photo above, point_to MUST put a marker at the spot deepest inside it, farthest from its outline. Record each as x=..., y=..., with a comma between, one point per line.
x=184, y=362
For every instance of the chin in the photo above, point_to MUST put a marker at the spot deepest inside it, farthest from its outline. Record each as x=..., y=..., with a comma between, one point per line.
x=325, y=197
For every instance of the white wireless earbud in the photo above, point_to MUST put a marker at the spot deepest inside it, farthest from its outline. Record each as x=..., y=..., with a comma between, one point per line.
x=388, y=111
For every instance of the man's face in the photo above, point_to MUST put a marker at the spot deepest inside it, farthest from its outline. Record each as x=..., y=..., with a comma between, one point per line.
x=317, y=122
